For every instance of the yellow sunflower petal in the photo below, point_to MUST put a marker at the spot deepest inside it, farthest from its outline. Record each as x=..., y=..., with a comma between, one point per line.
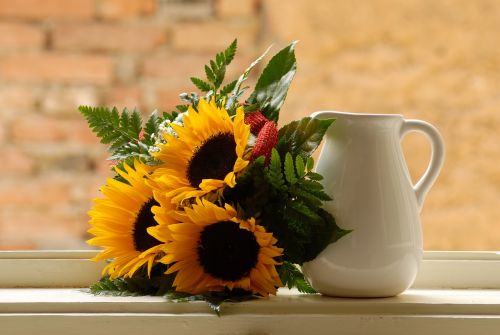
x=185, y=252
x=199, y=129
x=116, y=219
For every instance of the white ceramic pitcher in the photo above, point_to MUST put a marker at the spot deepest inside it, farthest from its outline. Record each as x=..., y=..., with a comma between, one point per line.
x=366, y=174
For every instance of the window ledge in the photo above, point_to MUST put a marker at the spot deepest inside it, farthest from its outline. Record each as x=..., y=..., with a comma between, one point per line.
x=440, y=311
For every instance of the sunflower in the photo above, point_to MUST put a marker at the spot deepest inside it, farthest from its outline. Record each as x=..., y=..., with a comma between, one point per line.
x=204, y=154
x=120, y=221
x=211, y=249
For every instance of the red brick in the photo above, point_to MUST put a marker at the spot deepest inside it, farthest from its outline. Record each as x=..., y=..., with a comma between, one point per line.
x=34, y=192
x=57, y=67
x=56, y=228
x=175, y=67
x=125, y=9
x=124, y=96
x=47, y=9
x=186, y=10
x=167, y=98
x=16, y=100
x=2, y=132
x=9, y=244
x=231, y=8
x=108, y=37
x=51, y=130
x=17, y=36
x=65, y=100
x=191, y=36
x=15, y=162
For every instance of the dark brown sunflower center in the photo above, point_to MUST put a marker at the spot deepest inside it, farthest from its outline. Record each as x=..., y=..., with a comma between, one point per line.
x=226, y=251
x=145, y=219
x=213, y=159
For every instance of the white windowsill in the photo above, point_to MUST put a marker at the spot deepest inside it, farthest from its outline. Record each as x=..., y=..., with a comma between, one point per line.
x=417, y=311
x=438, y=303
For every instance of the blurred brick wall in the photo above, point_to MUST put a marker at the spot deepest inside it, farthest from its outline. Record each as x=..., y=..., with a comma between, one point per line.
x=433, y=60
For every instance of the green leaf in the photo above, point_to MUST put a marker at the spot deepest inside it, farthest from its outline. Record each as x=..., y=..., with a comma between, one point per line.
x=289, y=169
x=228, y=88
x=314, y=176
x=210, y=74
x=201, y=84
x=275, y=173
x=302, y=137
x=152, y=128
x=272, y=86
x=230, y=52
x=216, y=71
x=318, y=192
x=111, y=127
x=139, y=284
x=219, y=76
x=323, y=234
x=131, y=151
x=237, y=91
x=300, y=208
x=310, y=163
x=300, y=167
x=292, y=277
x=307, y=197
x=181, y=109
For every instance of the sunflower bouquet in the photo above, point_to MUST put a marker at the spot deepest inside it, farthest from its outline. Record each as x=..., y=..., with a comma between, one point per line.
x=212, y=201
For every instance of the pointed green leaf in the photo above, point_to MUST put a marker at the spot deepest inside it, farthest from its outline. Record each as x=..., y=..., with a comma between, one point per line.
x=310, y=163
x=210, y=74
x=228, y=88
x=272, y=86
x=290, y=169
x=135, y=123
x=152, y=127
x=324, y=234
x=201, y=84
x=302, y=137
x=230, y=52
x=237, y=90
x=300, y=167
x=275, y=174
x=292, y=277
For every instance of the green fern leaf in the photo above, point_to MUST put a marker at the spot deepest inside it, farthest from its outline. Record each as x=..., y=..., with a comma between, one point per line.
x=292, y=277
x=300, y=167
x=302, y=209
x=310, y=163
x=219, y=76
x=274, y=172
x=181, y=109
x=317, y=193
x=210, y=74
x=152, y=128
x=201, y=84
x=311, y=184
x=230, y=52
x=228, y=88
x=314, y=176
x=302, y=137
x=307, y=197
x=296, y=226
x=238, y=90
x=111, y=127
x=290, y=169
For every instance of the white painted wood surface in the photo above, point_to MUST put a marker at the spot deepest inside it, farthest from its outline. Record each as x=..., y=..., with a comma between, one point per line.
x=430, y=307
x=75, y=269
x=73, y=311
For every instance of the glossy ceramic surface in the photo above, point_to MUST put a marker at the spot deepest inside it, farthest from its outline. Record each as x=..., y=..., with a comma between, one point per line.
x=365, y=172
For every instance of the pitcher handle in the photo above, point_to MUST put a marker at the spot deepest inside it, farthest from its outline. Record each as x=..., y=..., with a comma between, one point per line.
x=437, y=158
